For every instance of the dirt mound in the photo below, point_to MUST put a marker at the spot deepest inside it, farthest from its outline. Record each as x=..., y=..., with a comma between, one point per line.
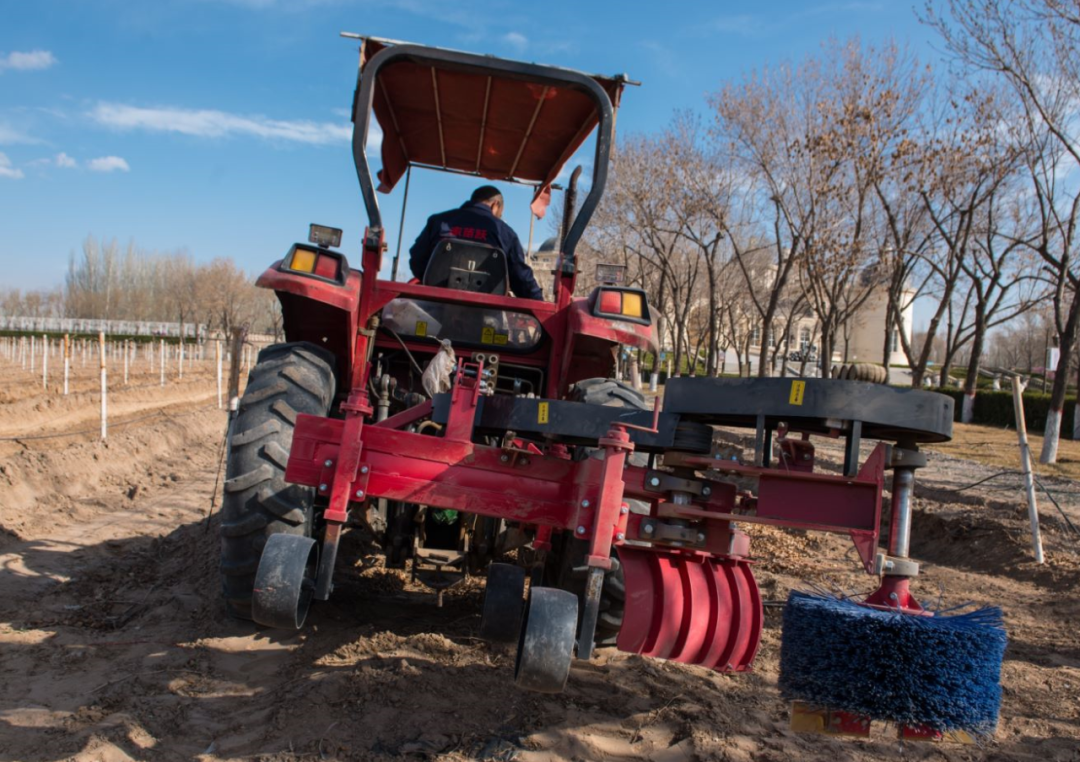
x=46, y=488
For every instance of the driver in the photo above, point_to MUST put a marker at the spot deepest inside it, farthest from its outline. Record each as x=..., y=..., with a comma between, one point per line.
x=478, y=219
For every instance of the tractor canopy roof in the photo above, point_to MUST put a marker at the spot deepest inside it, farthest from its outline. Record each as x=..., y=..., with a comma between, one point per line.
x=479, y=115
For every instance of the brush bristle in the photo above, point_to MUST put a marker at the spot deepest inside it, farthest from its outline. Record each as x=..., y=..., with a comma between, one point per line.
x=941, y=672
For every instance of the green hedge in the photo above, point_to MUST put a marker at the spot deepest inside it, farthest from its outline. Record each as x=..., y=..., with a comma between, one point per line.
x=996, y=409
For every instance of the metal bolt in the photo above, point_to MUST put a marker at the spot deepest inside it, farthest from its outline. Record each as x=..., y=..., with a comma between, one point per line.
x=504, y=457
x=584, y=503
x=524, y=461
x=328, y=463
x=647, y=528
x=654, y=482
x=359, y=493
x=706, y=491
x=581, y=530
x=620, y=537
x=701, y=537
x=893, y=597
x=322, y=488
x=623, y=509
x=806, y=456
x=363, y=469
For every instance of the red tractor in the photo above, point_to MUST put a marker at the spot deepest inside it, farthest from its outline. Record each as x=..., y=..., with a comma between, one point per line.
x=529, y=463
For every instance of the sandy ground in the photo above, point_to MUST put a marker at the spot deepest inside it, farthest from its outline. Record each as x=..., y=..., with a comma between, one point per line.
x=114, y=646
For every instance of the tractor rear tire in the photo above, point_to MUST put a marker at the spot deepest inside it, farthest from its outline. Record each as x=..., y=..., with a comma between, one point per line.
x=609, y=393
x=287, y=379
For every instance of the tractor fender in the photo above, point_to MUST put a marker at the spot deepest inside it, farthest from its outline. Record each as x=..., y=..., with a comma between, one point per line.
x=345, y=297
x=590, y=341
x=318, y=311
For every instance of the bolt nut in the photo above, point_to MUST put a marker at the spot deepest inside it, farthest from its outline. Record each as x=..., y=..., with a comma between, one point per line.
x=524, y=461
x=359, y=493
x=363, y=469
x=701, y=537
x=620, y=537
x=624, y=509
x=647, y=528
x=328, y=463
x=504, y=458
x=322, y=488
x=706, y=491
x=654, y=482
x=581, y=530
x=584, y=503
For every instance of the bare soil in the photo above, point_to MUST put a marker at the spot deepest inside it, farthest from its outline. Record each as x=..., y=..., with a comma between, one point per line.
x=114, y=645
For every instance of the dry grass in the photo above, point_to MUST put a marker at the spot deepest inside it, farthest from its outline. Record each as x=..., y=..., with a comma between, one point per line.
x=999, y=447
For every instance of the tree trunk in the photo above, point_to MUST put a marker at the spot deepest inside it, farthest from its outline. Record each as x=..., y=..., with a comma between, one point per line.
x=826, y=351
x=971, y=379
x=1061, y=380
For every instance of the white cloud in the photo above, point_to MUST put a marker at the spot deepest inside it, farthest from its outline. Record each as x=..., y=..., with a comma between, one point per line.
x=6, y=170
x=31, y=61
x=207, y=123
x=108, y=164
x=516, y=40
x=65, y=161
x=10, y=135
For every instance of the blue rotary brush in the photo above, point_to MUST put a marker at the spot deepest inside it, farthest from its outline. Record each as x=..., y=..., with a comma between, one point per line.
x=938, y=672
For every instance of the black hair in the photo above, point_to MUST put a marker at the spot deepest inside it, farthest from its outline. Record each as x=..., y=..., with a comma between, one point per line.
x=485, y=193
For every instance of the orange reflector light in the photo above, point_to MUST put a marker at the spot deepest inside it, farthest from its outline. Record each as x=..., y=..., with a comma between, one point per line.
x=631, y=304
x=611, y=302
x=302, y=261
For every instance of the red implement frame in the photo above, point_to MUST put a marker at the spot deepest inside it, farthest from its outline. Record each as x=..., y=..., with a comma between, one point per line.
x=703, y=605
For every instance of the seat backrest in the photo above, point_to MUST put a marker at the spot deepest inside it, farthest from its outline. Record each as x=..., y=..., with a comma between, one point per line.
x=467, y=266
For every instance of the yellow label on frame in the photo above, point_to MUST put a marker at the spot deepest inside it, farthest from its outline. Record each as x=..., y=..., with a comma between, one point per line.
x=798, y=388
x=542, y=412
x=421, y=328
x=501, y=339
x=487, y=336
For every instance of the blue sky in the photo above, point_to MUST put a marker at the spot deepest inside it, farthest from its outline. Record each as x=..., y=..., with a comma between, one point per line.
x=221, y=126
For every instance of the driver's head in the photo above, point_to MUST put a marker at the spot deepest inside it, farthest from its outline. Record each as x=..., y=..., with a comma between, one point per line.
x=490, y=196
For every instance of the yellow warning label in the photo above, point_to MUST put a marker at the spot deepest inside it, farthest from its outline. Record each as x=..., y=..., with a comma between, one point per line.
x=542, y=412
x=421, y=328
x=487, y=336
x=500, y=339
x=798, y=388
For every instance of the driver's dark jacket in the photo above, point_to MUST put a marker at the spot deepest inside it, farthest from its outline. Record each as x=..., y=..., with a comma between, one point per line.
x=476, y=222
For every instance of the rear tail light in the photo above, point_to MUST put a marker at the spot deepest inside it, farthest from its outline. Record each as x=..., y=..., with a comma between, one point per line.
x=618, y=302
x=611, y=302
x=326, y=267
x=317, y=262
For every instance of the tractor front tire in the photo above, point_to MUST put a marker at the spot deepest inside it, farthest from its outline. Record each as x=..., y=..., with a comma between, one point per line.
x=287, y=379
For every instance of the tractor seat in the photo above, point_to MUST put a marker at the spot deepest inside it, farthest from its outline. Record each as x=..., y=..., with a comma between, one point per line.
x=467, y=266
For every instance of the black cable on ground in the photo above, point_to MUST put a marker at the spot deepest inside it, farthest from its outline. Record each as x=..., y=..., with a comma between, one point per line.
x=1064, y=516
x=217, y=475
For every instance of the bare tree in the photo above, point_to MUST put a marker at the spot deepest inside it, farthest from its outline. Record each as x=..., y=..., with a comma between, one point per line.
x=1031, y=45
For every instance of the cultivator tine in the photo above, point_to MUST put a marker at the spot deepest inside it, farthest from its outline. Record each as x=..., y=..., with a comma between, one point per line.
x=594, y=586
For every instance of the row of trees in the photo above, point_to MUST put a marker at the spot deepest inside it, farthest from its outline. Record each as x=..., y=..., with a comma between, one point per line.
x=859, y=173
x=109, y=282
